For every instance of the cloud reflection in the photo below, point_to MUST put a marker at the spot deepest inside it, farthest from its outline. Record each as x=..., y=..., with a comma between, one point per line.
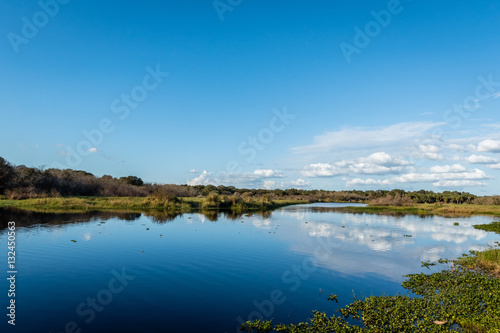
x=389, y=246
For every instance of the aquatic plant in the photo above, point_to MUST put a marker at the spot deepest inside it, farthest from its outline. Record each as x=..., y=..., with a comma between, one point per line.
x=455, y=299
x=493, y=227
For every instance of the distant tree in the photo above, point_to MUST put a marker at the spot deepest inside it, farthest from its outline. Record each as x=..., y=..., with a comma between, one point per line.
x=132, y=180
x=208, y=189
x=7, y=175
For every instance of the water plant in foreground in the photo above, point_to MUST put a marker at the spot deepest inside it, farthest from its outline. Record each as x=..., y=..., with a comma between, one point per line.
x=493, y=227
x=462, y=298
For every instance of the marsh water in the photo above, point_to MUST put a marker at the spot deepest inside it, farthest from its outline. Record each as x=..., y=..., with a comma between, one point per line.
x=129, y=272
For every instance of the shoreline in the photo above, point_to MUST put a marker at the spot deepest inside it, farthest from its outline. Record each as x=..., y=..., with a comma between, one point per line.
x=446, y=210
x=194, y=204
x=454, y=304
x=139, y=204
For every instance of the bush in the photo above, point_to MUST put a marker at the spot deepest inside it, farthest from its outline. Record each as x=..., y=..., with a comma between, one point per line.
x=164, y=194
x=389, y=200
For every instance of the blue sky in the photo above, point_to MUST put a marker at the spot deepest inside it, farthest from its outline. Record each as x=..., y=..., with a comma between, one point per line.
x=333, y=95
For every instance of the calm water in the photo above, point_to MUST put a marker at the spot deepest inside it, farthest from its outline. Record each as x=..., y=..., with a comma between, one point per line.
x=197, y=273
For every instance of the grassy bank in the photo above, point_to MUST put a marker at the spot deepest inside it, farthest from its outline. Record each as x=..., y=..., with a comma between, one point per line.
x=430, y=209
x=190, y=204
x=463, y=298
x=98, y=203
x=237, y=204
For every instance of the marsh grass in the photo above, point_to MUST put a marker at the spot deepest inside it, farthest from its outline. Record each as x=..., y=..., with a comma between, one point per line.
x=487, y=261
x=99, y=203
x=451, y=210
x=144, y=204
x=235, y=203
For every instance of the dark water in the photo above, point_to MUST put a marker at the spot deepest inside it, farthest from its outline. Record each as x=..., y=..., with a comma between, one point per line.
x=197, y=273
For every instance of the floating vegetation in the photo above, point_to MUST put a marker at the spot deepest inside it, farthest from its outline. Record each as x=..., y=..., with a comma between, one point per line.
x=333, y=297
x=457, y=299
x=493, y=227
x=428, y=264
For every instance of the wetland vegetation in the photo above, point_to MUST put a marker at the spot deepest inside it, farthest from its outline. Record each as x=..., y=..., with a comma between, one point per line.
x=62, y=190
x=463, y=298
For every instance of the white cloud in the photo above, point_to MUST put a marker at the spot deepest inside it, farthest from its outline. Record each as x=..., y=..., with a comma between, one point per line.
x=475, y=174
x=205, y=178
x=362, y=137
x=269, y=184
x=429, y=156
x=429, y=152
x=458, y=183
x=368, y=168
x=93, y=150
x=441, y=176
x=253, y=179
x=480, y=159
x=321, y=170
x=193, y=171
x=268, y=173
x=494, y=166
x=377, y=163
x=429, y=148
x=382, y=158
x=343, y=164
x=447, y=168
x=295, y=183
x=489, y=146
x=369, y=181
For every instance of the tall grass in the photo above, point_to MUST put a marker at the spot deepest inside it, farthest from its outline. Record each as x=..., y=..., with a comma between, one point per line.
x=487, y=261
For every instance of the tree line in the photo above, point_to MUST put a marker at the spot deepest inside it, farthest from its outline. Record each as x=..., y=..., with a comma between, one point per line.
x=22, y=182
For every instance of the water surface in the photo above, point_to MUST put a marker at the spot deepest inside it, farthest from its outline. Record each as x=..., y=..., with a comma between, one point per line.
x=197, y=273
